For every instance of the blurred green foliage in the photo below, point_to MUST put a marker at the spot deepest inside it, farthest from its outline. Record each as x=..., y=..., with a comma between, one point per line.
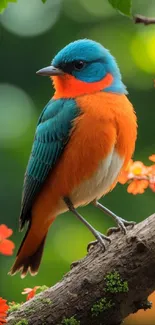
x=124, y=6
x=28, y=43
x=4, y=3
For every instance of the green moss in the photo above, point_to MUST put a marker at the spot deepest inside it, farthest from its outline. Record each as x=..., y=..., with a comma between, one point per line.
x=13, y=307
x=70, y=321
x=23, y=321
x=101, y=305
x=45, y=300
x=42, y=288
x=114, y=283
x=29, y=309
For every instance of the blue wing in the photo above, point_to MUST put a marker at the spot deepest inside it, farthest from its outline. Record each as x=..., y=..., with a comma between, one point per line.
x=51, y=136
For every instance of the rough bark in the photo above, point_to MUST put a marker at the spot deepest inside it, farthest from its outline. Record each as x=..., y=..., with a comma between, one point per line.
x=131, y=255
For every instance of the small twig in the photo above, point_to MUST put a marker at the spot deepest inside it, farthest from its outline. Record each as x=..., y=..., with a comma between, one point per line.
x=150, y=179
x=140, y=178
x=138, y=19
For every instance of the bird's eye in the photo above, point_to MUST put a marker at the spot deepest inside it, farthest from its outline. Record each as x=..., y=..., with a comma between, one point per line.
x=79, y=65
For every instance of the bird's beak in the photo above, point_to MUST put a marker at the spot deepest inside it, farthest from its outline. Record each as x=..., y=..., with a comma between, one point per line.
x=50, y=71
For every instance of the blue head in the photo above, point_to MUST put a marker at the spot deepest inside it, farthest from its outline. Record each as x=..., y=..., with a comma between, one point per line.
x=87, y=61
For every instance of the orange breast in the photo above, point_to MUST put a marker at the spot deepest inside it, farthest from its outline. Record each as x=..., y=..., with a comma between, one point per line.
x=111, y=112
x=68, y=86
x=107, y=120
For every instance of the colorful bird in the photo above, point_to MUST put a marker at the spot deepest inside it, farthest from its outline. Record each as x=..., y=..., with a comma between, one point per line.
x=85, y=136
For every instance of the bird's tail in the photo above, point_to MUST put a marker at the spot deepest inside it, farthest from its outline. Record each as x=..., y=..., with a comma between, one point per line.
x=30, y=252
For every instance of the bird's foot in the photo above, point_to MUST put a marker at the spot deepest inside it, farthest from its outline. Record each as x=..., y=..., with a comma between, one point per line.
x=122, y=226
x=100, y=239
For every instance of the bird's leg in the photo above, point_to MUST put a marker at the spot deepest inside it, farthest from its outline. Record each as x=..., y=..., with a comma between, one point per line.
x=100, y=237
x=122, y=224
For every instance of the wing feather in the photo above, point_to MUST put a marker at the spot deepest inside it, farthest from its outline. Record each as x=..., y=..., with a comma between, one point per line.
x=52, y=134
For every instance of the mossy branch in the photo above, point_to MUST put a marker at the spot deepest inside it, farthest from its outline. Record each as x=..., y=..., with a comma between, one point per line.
x=102, y=288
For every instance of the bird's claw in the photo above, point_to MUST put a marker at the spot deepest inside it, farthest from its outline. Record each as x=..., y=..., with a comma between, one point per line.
x=92, y=244
x=101, y=239
x=112, y=230
x=122, y=225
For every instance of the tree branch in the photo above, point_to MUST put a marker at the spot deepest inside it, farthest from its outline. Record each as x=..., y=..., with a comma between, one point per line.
x=138, y=19
x=123, y=277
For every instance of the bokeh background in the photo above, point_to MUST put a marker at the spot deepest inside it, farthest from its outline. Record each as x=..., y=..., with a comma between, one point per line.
x=31, y=33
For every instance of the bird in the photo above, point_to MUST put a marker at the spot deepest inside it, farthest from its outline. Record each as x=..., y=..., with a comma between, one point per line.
x=84, y=138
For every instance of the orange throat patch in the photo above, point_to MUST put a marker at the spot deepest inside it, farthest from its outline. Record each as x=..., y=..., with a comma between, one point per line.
x=67, y=86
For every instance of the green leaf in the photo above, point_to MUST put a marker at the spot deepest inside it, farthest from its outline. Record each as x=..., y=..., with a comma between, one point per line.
x=124, y=6
x=43, y=1
x=4, y=4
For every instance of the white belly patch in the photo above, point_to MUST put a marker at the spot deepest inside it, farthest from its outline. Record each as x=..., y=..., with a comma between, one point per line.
x=100, y=182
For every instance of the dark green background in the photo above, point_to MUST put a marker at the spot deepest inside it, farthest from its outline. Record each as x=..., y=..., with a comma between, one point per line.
x=20, y=58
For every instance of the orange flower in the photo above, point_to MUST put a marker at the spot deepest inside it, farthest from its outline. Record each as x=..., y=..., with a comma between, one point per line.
x=152, y=158
x=152, y=183
x=30, y=292
x=137, y=169
x=6, y=246
x=151, y=170
x=141, y=176
x=3, y=311
x=152, y=186
x=137, y=186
